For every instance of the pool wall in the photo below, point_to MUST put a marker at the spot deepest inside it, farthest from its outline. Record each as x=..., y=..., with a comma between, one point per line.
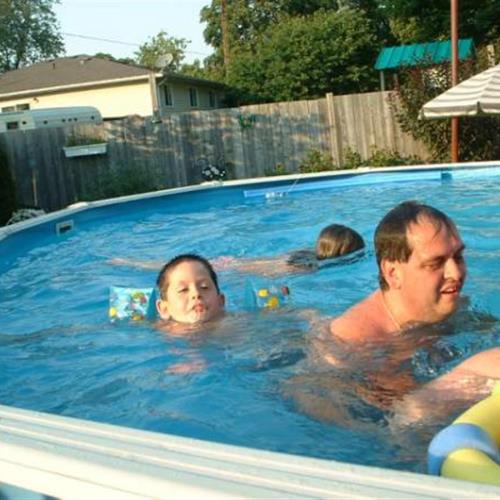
x=245, y=189
x=71, y=458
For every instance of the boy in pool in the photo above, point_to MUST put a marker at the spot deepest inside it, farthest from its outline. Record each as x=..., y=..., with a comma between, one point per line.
x=335, y=240
x=189, y=291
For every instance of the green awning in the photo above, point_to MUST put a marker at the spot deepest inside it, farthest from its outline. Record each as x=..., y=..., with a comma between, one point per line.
x=422, y=53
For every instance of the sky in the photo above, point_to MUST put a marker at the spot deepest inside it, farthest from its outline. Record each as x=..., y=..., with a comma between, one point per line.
x=130, y=22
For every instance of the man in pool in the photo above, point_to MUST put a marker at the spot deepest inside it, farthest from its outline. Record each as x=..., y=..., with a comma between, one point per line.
x=189, y=291
x=421, y=274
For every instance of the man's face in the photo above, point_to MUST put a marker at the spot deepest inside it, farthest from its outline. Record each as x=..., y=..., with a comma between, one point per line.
x=191, y=295
x=431, y=281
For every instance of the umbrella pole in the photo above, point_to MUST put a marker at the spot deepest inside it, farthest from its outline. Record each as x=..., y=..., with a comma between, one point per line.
x=454, y=77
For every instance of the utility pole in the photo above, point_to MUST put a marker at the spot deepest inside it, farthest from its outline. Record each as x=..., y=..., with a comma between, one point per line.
x=454, y=77
x=225, y=35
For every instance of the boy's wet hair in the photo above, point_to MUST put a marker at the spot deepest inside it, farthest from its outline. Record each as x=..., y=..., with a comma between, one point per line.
x=391, y=241
x=336, y=240
x=162, y=280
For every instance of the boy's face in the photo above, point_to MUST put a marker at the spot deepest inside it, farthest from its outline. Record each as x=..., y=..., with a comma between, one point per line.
x=191, y=295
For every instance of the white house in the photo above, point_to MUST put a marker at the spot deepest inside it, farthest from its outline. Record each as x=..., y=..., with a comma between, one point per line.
x=114, y=88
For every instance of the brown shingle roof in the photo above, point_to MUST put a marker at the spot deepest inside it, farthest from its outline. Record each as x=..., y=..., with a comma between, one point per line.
x=67, y=71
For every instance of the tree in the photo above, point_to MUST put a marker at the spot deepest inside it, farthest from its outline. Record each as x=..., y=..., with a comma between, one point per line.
x=162, y=51
x=479, y=136
x=123, y=60
x=29, y=32
x=307, y=56
x=7, y=190
x=416, y=21
x=247, y=19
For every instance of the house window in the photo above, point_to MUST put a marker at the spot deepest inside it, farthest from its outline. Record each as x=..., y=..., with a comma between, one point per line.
x=193, y=97
x=167, y=93
x=211, y=98
x=12, y=125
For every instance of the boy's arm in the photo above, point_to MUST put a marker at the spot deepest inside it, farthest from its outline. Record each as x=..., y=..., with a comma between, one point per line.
x=270, y=267
x=464, y=385
x=150, y=265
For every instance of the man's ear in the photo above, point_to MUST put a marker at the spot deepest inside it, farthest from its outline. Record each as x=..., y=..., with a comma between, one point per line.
x=391, y=273
x=162, y=308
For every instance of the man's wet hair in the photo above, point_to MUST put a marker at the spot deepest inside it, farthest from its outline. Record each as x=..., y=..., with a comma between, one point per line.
x=391, y=235
x=162, y=280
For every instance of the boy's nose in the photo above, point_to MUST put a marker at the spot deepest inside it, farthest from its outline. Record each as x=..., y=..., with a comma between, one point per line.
x=195, y=292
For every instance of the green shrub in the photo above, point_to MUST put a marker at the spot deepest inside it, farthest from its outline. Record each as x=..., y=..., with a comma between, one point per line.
x=386, y=158
x=123, y=182
x=278, y=169
x=378, y=158
x=316, y=161
x=230, y=170
x=8, y=203
x=352, y=159
x=478, y=136
x=83, y=140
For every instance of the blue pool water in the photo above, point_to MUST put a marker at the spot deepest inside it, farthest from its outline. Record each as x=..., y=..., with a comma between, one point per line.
x=59, y=353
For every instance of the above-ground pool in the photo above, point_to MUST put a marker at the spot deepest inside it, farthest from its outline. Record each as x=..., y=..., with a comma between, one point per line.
x=60, y=354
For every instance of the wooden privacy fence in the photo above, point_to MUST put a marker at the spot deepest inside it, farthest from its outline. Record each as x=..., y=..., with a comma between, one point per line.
x=251, y=141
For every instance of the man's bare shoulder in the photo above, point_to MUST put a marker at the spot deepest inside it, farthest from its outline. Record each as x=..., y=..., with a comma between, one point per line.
x=363, y=320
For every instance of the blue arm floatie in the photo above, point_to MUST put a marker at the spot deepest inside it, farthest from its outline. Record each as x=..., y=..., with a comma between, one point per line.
x=266, y=296
x=131, y=303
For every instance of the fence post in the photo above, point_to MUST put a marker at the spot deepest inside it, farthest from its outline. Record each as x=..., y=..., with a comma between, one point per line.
x=334, y=132
x=240, y=167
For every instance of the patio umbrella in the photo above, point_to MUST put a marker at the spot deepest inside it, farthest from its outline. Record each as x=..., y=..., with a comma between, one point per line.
x=479, y=95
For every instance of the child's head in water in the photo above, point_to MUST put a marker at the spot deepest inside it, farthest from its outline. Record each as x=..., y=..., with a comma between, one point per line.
x=336, y=240
x=189, y=291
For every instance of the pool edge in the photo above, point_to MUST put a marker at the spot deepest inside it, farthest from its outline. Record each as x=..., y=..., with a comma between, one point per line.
x=67, y=457
x=205, y=186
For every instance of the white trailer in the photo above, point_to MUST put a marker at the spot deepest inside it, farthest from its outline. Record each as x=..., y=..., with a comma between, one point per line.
x=48, y=117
